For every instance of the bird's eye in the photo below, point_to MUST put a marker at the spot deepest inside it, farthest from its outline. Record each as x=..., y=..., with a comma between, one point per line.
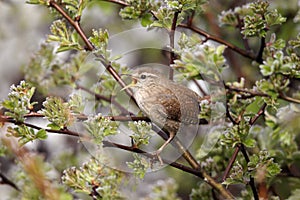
x=143, y=76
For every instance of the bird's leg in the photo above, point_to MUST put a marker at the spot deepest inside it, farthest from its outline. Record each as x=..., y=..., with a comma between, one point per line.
x=158, y=152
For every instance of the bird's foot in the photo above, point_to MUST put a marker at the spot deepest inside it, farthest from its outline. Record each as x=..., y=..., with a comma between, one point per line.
x=156, y=155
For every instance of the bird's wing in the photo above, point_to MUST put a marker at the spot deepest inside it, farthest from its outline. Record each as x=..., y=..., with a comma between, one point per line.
x=180, y=108
x=170, y=107
x=190, y=107
x=162, y=106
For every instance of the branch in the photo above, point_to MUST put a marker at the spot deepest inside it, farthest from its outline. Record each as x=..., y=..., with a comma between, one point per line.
x=196, y=171
x=5, y=180
x=64, y=131
x=259, y=113
x=179, y=146
x=219, y=40
x=199, y=87
x=201, y=173
x=259, y=58
x=151, y=156
x=107, y=99
x=122, y=3
x=89, y=45
x=231, y=162
x=261, y=94
x=172, y=41
x=242, y=148
x=251, y=182
x=229, y=115
x=290, y=99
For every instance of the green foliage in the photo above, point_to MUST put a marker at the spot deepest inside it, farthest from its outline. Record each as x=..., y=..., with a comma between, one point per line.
x=75, y=7
x=238, y=134
x=295, y=43
x=99, y=127
x=257, y=18
x=284, y=128
x=135, y=9
x=26, y=134
x=141, y=132
x=57, y=113
x=76, y=104
x=67, y=38
x=202, y=192
x=205, y=110
x=199, y=60
x=263, y=165
x=46, y=70
x=231, y=17
x=164, y=189
x=237, y=175
x=94, y=179
x=99, y=39
x=139, y=165
x=279, y=64
x=163, y=11
x=19, y=102
x=40, y=2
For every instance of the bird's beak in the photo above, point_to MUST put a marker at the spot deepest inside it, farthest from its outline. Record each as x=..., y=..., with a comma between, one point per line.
x=132, y=84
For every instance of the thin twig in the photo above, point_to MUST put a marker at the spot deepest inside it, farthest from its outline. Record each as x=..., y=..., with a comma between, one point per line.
x=107, y=99
x=191, y=18
x=259, y=56
x=290, y=99
x=199, y=87
x=122, y=3
x=231, y=162
x=259, y=113
x=219, y=40
x=251, y=182
x=5, y=180
x=172, y=43
x=230, y=116
x=261, y=94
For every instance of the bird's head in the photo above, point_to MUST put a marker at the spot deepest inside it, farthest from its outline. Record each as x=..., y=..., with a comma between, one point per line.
x=142, y=78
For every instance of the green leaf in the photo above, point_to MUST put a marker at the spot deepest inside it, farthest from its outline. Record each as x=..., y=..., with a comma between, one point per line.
x=94, y=176
x=40, y=2
x=267, y=70
x=141, y=132
x=42, y=134
x=26, y=134
x=19, y=102
x=249, y=142
x=67, y=38
x=139, y=165
x=57, y=112
x=146, y=20
x=99, y=128
x=99, y=39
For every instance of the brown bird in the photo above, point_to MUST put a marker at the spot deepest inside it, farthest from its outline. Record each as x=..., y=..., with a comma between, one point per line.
x=168, y=104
